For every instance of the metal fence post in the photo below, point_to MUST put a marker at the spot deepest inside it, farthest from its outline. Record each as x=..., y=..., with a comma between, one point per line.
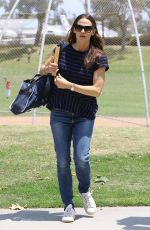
x=141, y=65
x=41, y=53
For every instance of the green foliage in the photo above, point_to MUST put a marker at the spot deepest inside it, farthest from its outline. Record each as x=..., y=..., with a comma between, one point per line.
x=144, y=40
x=131, y=41
x=113, y=41
x=53, y=39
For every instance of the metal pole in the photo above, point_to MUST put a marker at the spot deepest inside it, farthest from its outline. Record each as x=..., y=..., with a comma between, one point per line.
x=141, y=65
x=41, y=52
x=10, y=13
x=89, y=6
x=44, y=35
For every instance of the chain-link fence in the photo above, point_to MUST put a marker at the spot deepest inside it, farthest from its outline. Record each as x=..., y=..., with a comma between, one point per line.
x=127, y=89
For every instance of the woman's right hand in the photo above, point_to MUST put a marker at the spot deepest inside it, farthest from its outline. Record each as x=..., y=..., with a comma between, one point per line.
x=49, y=67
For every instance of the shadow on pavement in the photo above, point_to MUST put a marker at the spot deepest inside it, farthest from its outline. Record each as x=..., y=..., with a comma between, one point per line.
x=36, y=215
x=135, y=223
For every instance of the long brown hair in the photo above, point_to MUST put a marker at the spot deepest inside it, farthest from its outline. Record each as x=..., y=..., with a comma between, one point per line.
x=96, y=41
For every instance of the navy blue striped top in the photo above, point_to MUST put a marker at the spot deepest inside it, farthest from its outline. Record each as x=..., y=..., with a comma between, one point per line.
x=71, y=67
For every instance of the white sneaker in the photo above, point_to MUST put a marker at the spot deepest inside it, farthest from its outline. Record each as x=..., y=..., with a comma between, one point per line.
x=69, y=214
x=89, y=203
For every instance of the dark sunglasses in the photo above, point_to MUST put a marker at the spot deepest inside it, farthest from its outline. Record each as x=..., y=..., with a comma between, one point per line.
x=87, y=29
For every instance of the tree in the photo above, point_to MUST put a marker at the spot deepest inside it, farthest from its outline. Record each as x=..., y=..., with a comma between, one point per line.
x=86, y=6
x=102, y=11
x=122, y=20
x=146, y=4
x=116, y=14
x=2, y=3
x=37, y=9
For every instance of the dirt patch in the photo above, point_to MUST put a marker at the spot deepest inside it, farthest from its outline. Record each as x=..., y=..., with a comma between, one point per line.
x=100, y=121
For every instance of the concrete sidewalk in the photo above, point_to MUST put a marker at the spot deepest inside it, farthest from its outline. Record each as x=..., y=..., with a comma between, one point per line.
x=107, y=218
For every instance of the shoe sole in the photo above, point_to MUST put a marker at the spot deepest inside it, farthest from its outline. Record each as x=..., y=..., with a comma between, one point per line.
x=67, y=220
x=90, y=213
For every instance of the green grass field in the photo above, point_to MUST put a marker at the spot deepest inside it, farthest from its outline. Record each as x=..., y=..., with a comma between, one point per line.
x=122, y=94
x=120, y=159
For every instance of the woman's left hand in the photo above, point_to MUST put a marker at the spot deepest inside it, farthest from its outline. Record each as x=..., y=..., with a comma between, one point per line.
x=61, y=82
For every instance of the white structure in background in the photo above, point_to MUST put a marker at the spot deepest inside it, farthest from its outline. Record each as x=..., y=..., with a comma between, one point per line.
x=7, y=19
x=22, y=30
x=9, y=33
x=18, y=25
x=107, y=32
x=64, y=22
x=59, y=30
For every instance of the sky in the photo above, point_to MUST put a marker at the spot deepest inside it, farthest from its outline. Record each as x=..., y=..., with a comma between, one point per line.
x=1, y=11
x=73, y=7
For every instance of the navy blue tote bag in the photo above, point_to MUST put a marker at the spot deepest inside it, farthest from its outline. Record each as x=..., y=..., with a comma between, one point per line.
x=33, y=93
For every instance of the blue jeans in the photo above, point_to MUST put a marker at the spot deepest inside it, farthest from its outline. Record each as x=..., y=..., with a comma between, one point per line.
x=66, y=127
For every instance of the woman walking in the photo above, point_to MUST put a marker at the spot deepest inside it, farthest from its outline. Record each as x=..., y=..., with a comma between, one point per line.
x=82, y=65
